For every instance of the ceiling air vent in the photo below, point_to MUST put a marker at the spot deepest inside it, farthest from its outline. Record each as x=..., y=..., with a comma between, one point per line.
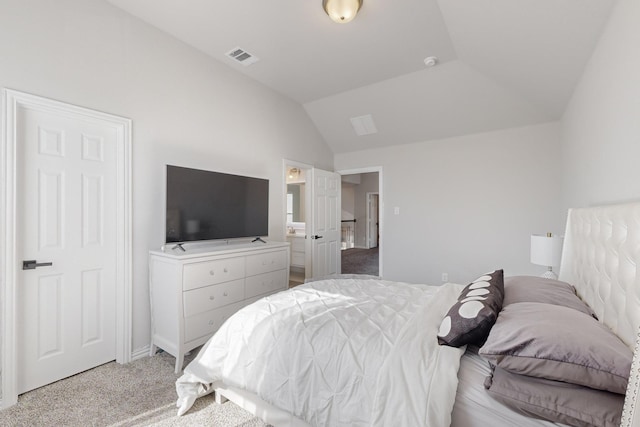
x=242, y=56
x=364, y=125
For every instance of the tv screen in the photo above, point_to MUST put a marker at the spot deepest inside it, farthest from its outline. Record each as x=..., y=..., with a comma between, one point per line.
x=206, y=205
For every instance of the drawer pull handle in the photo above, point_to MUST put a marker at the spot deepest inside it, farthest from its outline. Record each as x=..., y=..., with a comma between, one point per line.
x=225, y=294
x=211, y=272
x=212, y=297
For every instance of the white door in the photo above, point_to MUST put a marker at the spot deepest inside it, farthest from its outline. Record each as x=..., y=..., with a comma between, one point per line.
x=325, y=223
x=66, y=204
x=372, y=220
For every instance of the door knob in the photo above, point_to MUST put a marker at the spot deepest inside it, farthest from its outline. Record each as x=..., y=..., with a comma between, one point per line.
x=32, y=264
x=316, y=237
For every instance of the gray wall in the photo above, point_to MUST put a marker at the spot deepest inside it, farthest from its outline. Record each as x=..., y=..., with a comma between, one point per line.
x=348, y=202
x=468, y=204
x=187, y=109
x=601, y=126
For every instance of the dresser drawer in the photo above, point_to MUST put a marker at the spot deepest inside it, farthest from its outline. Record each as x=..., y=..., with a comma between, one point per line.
x=207, y=273
x=264, y=263
x=214, y=296
x=207, y=323
x=265, y=283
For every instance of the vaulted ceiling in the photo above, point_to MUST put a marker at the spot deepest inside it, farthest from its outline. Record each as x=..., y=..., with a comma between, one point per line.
x=501, y=63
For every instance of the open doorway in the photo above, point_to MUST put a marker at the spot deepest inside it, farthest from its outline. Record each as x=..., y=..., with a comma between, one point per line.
x=311, y=203
x=360, y=223
x=296, y=210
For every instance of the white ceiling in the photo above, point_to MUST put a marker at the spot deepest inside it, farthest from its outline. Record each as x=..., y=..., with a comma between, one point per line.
x=502, y=63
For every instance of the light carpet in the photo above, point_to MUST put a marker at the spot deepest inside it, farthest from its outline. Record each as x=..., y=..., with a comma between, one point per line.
x=141, y=393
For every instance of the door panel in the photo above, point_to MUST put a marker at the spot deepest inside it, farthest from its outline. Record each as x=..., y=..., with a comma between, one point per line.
x=92, y=212
x=91, y=287
x=49, y=314
x=325, y=229
x=67, y=199
x=51, y=194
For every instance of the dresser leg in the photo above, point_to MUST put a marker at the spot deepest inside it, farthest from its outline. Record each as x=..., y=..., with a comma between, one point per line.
x=179, y=362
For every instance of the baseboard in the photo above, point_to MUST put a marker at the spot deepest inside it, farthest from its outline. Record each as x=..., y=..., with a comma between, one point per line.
x=140, y=353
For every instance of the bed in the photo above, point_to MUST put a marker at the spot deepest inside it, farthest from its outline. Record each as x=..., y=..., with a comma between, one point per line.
x=370, y=352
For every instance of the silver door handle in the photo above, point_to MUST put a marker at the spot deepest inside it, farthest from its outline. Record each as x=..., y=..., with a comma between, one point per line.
x=33, y=264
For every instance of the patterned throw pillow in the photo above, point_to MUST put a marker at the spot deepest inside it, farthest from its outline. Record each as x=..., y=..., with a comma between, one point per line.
x=470, y=319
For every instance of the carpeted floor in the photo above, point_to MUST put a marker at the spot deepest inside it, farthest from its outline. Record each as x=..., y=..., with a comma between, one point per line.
x=141, y=393
x=360, y=261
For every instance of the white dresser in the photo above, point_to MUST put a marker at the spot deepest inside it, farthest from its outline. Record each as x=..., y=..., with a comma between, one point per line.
x=194, y=292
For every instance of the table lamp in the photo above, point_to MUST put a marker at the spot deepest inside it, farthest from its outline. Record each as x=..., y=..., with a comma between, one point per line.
x=547, y=251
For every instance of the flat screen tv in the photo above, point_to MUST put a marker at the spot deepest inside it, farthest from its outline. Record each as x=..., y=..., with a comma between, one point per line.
x=207, y=205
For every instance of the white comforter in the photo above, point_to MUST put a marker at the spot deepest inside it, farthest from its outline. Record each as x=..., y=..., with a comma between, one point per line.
x=339, y=352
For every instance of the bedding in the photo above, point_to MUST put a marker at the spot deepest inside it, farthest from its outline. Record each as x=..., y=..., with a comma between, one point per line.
x=475, y=407
x=543, y=290
x=558, y=343
x=600, y=259
x=571, y=404
x=342, y=276
x=346, y=352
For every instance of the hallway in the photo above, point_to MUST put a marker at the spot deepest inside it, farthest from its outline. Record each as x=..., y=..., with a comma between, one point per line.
x=360, y=261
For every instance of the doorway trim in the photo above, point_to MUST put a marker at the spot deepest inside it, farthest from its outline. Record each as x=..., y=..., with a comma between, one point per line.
x=12, y=102
x=308, y=261
x=370, y=195
x=378, y=169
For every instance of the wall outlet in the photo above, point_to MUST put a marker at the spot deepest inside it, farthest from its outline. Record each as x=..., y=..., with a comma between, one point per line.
x=445, y=277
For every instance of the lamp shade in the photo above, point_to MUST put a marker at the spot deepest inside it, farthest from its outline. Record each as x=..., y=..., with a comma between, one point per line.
x=546, y=250
x=342, y=11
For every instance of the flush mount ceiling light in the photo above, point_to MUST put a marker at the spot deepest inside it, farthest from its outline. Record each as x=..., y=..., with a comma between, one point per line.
x=342, y=11
x=294, y=173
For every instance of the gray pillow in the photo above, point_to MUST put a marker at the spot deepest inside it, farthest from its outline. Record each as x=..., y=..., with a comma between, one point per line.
x=556, y=401
x=558, y=343
x=470, y=319
x=539, y=289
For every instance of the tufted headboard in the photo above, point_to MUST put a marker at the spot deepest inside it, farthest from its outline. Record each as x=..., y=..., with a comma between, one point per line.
x=600, y=257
